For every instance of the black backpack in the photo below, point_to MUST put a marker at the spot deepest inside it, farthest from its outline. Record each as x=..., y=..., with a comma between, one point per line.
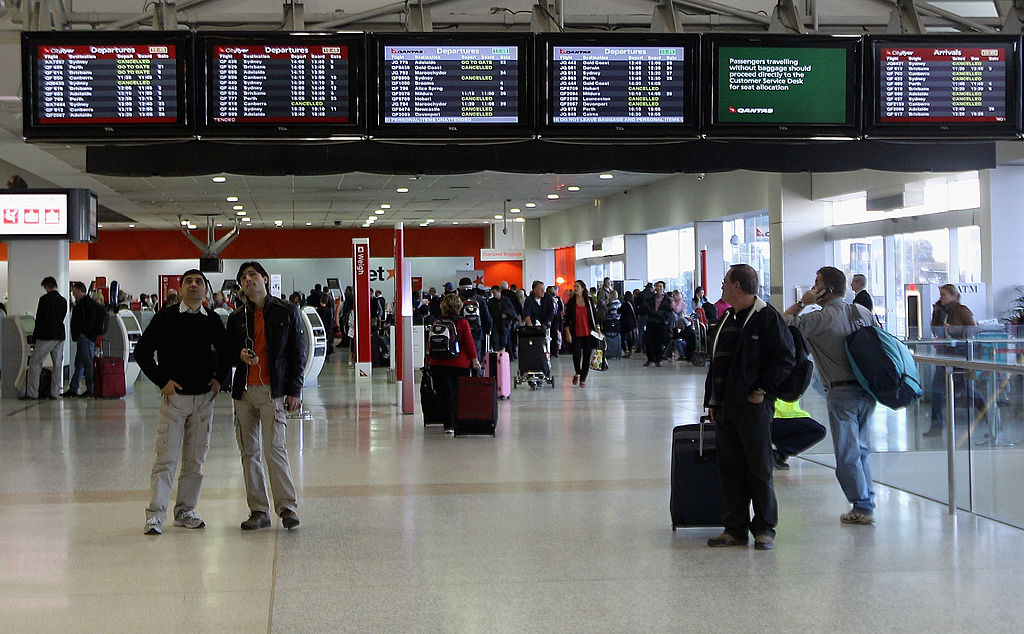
x=443, y=340
x=793, y=386
x=471, y=313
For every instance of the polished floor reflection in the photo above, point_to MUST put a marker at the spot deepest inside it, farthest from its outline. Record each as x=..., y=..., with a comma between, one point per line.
x=560, y=524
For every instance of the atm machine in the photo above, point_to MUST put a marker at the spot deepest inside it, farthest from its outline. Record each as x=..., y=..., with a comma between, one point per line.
x=17, y=346
x=120, y=340
x=920, y=298
x=316, y=345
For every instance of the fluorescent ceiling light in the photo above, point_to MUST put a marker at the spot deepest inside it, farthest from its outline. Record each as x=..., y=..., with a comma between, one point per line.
x=552, y=196
x=514, y=210
x=379, y=212
x=219, y=179
x=385, y=206
x=572, y=188
x=239, y=213
x=498, y=216
x=232, y=199
x=530, y=205
x=520, y=219
x=606, y=177
x=402, y=190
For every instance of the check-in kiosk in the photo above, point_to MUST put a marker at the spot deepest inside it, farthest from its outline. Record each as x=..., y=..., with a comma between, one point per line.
x=144, y=316
x=316, y=345
x=120, y=340
x=223, y=313
x=18, y=344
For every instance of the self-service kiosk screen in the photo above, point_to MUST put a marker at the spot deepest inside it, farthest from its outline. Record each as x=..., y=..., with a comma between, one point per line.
x=314, y=319
x=130, y=323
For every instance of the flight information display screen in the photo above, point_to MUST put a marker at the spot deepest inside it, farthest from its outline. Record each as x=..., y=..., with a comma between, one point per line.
x=617, y=84
x=450, y=84
x=943, y=84
x=278, y=83
x=83, y=84
x=782, y=85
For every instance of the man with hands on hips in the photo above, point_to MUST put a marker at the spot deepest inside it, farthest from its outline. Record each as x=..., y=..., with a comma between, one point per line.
x=751, y=353
x=183, y=351
x=267, y=342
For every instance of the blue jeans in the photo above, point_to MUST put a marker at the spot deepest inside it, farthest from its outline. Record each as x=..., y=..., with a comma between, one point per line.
x=83, y=364
x=849, y=408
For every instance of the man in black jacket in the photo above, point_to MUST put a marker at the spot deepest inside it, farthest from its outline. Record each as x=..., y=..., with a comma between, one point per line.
x=86, y=326
x=189, y=366
x=481, y=326
x=267, y=344
x=49, y=341
x=751, y=354
x=503, y=314
x=659, y=312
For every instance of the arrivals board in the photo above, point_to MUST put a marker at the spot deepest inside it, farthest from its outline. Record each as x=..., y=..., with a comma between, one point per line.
x=96, y=83
x=628, y=84
x=292, y=83
x=450, y=84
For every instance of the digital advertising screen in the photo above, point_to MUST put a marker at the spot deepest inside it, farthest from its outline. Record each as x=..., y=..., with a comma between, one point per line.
x=289, y=84
x=34, y=214
x=106, y=85
x=448, y=86
x=785, y=86
x=619, y=84
x=966, y=86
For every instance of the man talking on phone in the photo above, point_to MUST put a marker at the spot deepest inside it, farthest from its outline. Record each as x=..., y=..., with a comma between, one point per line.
x=849, y=405
x=267, y=344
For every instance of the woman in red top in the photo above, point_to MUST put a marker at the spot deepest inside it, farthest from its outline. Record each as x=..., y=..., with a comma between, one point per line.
x=446, y=372
x=579, y=323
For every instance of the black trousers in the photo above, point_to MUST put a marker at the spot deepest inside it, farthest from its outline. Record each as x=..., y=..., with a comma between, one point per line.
x=654, y=342
x=743, y=435
x=446, y=379
x=582, y=347
x=792, y=436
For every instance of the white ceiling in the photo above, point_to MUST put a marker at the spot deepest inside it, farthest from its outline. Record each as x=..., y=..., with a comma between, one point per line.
x=349, y=199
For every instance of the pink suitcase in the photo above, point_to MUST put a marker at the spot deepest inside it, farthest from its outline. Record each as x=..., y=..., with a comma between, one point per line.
x=497, y=365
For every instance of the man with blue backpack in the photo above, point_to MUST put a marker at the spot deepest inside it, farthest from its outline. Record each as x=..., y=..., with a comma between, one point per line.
x=849, y=405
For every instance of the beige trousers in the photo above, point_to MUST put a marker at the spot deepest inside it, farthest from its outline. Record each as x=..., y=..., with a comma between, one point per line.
x=261, y=426
x=183, y=429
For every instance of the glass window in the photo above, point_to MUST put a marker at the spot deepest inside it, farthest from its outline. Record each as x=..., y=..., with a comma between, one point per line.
x=671, y=257
x=968, y=243
x=865, y=256
x=959, y=191
x=745, y=241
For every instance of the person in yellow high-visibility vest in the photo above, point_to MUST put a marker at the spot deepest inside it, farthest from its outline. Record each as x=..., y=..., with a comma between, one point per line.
x=793, y=432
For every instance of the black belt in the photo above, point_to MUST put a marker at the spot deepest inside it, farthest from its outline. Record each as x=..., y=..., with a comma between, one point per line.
x=842, y=383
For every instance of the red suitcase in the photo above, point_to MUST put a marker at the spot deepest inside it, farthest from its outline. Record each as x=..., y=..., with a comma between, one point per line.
x=108, y=377
x=498, y=366
x=476, y=405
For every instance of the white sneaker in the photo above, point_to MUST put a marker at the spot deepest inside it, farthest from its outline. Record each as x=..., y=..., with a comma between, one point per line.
x=189, y=519
x=153, y=527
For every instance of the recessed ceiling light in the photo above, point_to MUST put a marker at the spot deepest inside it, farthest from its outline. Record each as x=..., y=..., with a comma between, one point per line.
x=572, y=188
x=131, y=226
x=239, y=213
x=366, y=225
x=379, y=212
x=232, y=199
x=238, y=207
x=430, y=221
x=530, y=205
x=402, y=190
x=385, y=206
x=247, y=219
x=219, y=224
x=514, y=210
x=552, y=196
x=498, y=216
x=279, y=222
x=309, y=224
x=606, y=177
x=99, y=226
x=184, y=223
x=423, y=224
x=455, y=222
x=520, y=219
x=219, y=179
x=192, y=226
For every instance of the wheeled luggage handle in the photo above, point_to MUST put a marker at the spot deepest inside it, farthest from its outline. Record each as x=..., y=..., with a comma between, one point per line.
x=700, y=435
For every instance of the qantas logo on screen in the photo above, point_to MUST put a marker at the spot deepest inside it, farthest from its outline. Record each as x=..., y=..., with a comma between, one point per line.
x=405, y=50
x=736, y=110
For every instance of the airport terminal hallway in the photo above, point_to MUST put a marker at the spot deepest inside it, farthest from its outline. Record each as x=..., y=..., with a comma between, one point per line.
x=560, y=524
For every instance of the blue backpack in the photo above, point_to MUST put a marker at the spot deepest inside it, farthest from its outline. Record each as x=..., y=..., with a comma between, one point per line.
x=883, y=365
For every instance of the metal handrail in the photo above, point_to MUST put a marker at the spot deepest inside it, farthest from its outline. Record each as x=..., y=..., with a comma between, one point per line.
x=951, y=364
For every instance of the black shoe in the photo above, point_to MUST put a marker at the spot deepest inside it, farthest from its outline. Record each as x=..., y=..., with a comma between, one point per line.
x=69, y=394
x=289, y=519
x=647, y=364
x=725, y=539
x=780, y=461
x=764, y=542
x=934, y=432
x=257, y=520
x=86, y=394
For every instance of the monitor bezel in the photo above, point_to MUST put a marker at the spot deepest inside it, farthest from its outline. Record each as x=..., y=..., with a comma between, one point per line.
x=848, y=129
x=109, y=132
x=546, y=99
x=525, y=128
x=253, y=131
x=874, y=128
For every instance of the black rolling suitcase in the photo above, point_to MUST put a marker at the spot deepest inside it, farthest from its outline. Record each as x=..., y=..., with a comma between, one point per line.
x=433, y=411
x=697, y=498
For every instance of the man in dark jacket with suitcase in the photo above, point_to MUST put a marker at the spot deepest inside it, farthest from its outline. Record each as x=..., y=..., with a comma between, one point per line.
x=267, y=344
x=86, y=327
x=752, y=352
x=49, y=341
x=183, y=352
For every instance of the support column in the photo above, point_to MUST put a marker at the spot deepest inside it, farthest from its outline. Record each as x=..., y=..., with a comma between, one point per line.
x=403, y=325
x=797, y=238
x=708, y=235
x=635, y=245
x=361, y=287
x=28, y=262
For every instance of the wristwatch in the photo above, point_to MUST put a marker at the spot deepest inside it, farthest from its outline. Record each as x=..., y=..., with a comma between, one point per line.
x=800, y=303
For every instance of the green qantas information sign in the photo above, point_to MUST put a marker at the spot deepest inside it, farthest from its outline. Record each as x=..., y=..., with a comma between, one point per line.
x=781, y=85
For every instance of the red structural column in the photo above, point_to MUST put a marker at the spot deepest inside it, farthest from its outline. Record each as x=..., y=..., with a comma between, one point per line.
x=361, y=288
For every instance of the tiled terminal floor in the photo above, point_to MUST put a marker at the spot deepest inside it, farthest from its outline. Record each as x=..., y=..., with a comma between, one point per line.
x=560, y=524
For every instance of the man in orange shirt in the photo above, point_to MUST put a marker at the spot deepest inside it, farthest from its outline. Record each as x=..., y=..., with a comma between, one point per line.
x=267, y=344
